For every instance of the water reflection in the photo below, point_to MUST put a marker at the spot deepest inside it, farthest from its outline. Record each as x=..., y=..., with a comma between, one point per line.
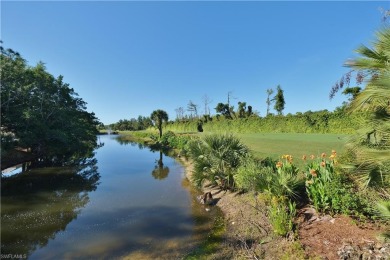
x=51, y=213
x=122, y=141
x=160, y=171
x=36, y=205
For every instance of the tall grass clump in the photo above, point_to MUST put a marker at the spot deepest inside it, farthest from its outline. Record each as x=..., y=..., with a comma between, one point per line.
x=281, y=214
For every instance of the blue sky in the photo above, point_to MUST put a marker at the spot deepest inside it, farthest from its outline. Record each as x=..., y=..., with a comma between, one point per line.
x=129, y=58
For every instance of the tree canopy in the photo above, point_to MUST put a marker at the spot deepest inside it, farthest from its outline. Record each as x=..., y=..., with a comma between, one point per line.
x=42, y=113
x=279, y=100
x=158, y=117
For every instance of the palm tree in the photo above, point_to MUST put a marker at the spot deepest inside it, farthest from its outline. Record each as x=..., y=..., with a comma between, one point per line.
x=373, y=154
x=158, y=117
x=216, y=158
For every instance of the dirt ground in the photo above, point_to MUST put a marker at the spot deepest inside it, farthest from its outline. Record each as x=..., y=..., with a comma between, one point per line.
x=249, y=234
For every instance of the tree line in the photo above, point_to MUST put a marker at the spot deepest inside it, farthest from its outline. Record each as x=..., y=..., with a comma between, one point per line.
x=133, y=124
x=227, y=110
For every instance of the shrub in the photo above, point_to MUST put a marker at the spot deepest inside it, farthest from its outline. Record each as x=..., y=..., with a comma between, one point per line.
x=216, y=158
x=173, y=140
x=252, y=175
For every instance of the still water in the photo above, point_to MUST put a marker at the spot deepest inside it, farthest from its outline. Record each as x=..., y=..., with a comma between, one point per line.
x=120, y=204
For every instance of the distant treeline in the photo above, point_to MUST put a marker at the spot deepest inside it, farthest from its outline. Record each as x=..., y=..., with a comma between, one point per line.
x=141, y=123
x=323, y=121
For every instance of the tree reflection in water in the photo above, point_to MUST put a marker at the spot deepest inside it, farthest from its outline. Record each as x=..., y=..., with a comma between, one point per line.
x=37, y=204
x=123, y=141
x=160, y=172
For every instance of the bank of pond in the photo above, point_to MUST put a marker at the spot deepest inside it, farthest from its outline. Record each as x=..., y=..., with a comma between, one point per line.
x=131, y=199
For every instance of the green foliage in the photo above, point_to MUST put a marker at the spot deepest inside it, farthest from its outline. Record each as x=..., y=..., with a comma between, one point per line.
x=224, y=109
x=371, y=144
x=42, y=112
x=279, y=100
x=276, y=178
x=309, y=122
x=353, y=91
x=252, y=175
x=141, y=123
x=281, y=213
x=319, y=175
x=270, y=91
x=158, y=117
x=167, y=137
x=384, y=212
x=330, y=191
x=384, y=209
x=216, y=158
x=344, y=197
x=286, y=181
x=175, y=141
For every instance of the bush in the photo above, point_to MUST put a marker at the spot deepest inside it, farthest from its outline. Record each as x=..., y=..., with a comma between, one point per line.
x=216, y=158
x=253, y=176
x=175, y=141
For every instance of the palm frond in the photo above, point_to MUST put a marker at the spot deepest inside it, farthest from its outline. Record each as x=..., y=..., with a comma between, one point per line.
x=217, y=157
x=371, y=144
x=375, y=96
x=371, y=59
x=384, y=209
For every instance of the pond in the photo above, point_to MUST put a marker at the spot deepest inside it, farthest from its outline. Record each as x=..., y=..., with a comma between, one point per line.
x=119, y=204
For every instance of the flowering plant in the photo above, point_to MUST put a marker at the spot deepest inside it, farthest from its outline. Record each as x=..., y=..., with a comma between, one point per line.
x=319, y=173
x=286, y=181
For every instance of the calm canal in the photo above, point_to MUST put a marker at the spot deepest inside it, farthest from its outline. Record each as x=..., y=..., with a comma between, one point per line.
x=120, y=204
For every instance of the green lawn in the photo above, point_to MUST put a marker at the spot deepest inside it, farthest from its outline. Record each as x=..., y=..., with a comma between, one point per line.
x=276, y=144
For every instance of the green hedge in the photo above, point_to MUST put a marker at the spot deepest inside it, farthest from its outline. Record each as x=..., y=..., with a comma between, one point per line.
x=309, y=122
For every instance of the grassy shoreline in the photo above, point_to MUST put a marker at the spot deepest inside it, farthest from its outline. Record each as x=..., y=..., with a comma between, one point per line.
x=239, y=229
x=234, y=236
x=246, y=232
